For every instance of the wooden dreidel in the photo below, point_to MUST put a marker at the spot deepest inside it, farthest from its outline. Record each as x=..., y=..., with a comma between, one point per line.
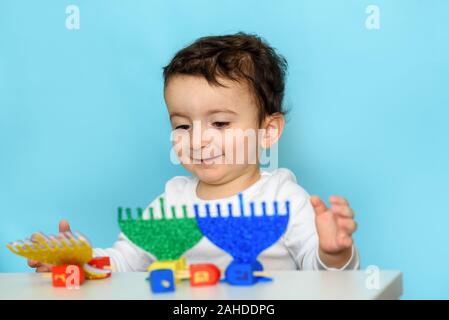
x=163, y=275
x=174, y=265
x=162, y=280
x=68, y=276
x=244, y=274
x=206, y=274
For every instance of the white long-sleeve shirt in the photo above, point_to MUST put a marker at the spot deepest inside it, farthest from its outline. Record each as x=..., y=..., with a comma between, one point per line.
x=297, y=249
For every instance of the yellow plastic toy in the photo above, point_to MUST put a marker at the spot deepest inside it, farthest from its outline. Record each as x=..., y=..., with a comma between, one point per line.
x=66, y=248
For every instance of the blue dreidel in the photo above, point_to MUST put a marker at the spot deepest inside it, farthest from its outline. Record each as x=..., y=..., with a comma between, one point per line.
x=244, y=274
x=162, y=280
x=240, y=274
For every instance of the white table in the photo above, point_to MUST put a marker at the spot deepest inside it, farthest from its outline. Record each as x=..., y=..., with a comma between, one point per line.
x=289, y=285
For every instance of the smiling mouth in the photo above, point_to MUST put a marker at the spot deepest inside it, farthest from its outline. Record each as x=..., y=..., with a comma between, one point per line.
x=208, y=160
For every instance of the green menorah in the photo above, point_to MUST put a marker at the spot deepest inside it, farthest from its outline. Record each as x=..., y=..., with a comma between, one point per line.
x=166, y=237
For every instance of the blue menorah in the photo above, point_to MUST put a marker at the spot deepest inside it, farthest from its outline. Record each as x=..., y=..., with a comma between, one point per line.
x=244, y=237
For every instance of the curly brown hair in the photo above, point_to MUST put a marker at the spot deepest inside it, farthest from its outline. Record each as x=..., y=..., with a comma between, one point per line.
x=239, y=56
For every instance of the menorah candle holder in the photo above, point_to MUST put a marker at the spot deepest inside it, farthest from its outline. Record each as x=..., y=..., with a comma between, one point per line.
x=167, y=235
x=243, y=236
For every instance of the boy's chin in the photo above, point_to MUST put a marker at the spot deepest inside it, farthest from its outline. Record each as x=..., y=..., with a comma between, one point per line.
x=215, y=174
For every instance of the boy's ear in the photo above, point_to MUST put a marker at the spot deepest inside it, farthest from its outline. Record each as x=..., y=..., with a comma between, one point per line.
x=273, y=126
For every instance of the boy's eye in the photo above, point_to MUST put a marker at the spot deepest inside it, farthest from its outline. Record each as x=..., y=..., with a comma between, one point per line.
x=183, y=126
x=220, y=124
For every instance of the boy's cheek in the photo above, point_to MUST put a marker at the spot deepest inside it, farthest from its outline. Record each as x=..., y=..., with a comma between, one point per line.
x=188, y=167
x=181, y=149
x=243, y=151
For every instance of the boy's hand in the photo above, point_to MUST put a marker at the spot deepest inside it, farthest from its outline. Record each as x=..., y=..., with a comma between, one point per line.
x=335, y=226
x=42, y=267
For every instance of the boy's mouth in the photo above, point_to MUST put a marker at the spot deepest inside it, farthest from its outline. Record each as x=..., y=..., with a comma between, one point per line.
x=208, y=161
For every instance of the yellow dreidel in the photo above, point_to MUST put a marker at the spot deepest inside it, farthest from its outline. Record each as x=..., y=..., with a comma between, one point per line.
x=164, y=275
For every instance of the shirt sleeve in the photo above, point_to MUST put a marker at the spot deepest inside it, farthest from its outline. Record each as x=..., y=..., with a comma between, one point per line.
x=301, y=238
x=125, y=256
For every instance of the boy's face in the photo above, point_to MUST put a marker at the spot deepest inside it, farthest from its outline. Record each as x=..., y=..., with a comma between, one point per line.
x=208, y=121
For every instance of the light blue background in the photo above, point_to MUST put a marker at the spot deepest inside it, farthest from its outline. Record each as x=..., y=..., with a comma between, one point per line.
x=83, y=126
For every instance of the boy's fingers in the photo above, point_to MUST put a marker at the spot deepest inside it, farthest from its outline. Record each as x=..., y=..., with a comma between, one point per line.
x=318, y=205
x=338, y=200
x=349, y=225
x=342, y=210
x=33, y=263
x=345, y=241
x=64, y=226
x=43, y=268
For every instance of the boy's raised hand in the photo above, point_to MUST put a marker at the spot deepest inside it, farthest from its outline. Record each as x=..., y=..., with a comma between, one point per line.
x=335, y=226
x=42, y=267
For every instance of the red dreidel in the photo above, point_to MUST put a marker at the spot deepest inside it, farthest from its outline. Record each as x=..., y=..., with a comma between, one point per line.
x=68, y=276
x=206, y=274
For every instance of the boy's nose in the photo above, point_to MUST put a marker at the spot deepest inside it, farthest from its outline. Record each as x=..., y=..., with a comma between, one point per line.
x=200, y=143
x=201, y=136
